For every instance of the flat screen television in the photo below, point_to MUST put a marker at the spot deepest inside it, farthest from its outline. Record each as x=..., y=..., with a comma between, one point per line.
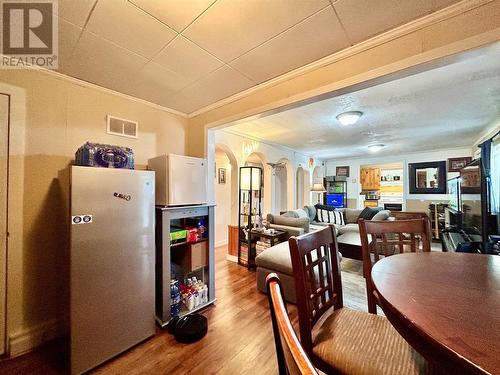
x=335, y=200
x=454, y=196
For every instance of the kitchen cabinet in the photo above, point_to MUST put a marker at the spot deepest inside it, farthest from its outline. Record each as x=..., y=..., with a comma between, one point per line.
x=371, y=203
x=370, y=179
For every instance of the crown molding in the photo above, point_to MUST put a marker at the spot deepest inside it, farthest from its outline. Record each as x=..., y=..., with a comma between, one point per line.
x=83, y=83
x=488, y=132
x=400, y=31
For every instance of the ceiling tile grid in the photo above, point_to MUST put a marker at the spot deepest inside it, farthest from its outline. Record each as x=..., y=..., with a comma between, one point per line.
x=192, y=53
x=321, y=33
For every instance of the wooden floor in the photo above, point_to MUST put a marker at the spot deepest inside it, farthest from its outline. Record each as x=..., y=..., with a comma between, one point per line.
x=239, y=340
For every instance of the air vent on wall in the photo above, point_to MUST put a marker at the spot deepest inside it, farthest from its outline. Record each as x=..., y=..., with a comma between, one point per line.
x=122, y=127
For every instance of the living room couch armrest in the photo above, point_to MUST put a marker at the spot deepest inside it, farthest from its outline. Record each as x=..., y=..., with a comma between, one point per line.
x=292, y=231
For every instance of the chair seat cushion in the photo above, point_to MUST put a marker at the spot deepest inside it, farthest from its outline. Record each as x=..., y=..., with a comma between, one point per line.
x=355, y=342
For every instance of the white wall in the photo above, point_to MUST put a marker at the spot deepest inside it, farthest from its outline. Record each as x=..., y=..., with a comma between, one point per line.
x=354, y=187
x=222, y=198
x=241, y=147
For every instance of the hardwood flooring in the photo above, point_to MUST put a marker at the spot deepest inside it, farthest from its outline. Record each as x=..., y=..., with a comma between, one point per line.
x=239, y=339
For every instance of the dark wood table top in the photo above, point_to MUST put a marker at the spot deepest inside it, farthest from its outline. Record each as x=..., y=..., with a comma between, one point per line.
x=277, y=233
x=445, y=304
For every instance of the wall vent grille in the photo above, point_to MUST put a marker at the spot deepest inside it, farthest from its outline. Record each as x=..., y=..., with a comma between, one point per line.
x=122, y=127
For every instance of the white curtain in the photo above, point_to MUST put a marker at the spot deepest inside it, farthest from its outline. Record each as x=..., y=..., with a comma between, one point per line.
x=495, y=176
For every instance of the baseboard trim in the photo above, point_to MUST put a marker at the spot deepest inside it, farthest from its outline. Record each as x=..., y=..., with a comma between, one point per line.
x=22, y=342
x=232, y=258
x=221, y=243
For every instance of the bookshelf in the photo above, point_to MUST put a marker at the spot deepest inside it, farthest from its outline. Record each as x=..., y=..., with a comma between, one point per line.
x=249, y=212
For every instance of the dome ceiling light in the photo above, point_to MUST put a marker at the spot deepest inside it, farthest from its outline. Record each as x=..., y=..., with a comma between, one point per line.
x=376, y=147
x=349, y=118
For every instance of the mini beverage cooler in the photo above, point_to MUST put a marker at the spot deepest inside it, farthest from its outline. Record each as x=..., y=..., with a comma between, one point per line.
x=185, y=263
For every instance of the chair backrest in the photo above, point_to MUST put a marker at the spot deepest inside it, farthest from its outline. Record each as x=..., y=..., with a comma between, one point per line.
x=318, y=284
x=292, y=358
x=386, y=238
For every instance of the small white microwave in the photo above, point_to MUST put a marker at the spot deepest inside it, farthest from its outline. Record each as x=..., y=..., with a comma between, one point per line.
x=179, y=180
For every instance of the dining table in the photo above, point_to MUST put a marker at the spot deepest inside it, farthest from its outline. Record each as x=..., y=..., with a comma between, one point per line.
x=446, y=305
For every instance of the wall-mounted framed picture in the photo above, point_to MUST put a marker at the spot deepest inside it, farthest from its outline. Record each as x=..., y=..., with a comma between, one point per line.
x=428, y=177
x=342, y=171
x=222, y=175
x=455, y=164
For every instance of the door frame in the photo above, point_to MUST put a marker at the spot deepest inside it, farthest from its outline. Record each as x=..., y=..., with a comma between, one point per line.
x=4, y=246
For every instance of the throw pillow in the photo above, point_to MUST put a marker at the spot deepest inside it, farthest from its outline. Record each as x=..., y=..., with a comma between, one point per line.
x=330, y=216
x=368, y=213
x=302, y=214
x=382, y=215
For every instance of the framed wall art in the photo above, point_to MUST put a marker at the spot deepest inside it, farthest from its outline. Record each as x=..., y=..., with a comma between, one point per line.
x=342, y=171
x=456, y=164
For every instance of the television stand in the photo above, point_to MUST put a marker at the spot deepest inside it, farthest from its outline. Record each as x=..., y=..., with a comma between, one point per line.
x=462, y=240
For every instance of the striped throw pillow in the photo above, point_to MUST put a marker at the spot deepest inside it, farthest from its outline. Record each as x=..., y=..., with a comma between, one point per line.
x=331, y=216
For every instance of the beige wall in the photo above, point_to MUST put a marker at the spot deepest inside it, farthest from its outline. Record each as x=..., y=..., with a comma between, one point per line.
x=58, y=116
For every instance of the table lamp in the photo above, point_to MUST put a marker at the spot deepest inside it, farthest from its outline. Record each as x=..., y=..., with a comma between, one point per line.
x=318, y=188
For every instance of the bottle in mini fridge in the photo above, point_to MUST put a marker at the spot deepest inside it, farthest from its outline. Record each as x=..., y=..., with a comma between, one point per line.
x=175, y=298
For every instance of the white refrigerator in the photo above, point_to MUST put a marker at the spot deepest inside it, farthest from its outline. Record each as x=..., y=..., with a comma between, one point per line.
x=112, y=265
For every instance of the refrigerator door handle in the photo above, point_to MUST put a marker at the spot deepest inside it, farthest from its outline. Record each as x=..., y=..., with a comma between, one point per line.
x=122, y=196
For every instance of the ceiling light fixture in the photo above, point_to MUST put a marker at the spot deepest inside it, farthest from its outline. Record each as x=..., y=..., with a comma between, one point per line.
x=349, y=118
x=376, y=147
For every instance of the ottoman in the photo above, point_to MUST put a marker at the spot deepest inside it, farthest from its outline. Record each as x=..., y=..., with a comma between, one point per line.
x=277, y=259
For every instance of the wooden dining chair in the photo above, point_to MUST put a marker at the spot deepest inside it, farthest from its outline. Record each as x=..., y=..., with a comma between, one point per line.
x=385, y=238
x=292, y=358
x=336, y=338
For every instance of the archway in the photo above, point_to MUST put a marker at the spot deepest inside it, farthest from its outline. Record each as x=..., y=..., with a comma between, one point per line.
x=299, y=187
x=283, y=178
x=225, y=185
x=302, y=187
x=307, y=188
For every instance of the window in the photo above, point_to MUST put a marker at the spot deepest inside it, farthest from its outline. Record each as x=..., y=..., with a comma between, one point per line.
x=495, y=176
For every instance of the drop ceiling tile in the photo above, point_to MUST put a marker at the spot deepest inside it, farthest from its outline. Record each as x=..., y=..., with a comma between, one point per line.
x=68, y=38
x=75, y=12
x=154, y=83
x=232, y=27
x=176, y=14
x=383, y=15
x=218, y=85
x=101, y=62
x=315, y=37
x=124, y=24
x=185, y=58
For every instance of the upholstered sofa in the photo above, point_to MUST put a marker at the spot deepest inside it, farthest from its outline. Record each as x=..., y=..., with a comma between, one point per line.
x=297, y=222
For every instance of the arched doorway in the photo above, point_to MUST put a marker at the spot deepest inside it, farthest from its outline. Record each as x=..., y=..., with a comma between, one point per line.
x=283, y=178
x=225, y=185
x=299, y=190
